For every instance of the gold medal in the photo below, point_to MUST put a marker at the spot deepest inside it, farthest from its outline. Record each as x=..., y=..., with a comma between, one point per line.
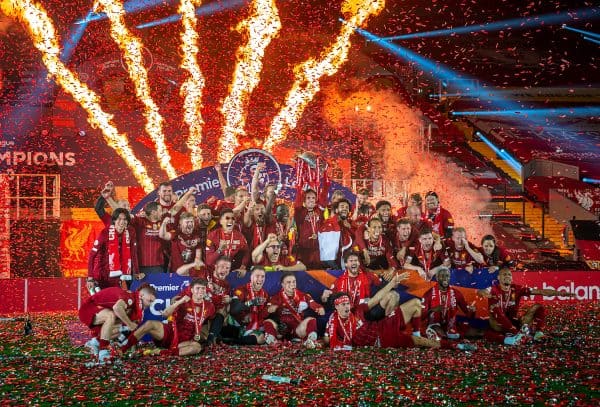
x=197, y=338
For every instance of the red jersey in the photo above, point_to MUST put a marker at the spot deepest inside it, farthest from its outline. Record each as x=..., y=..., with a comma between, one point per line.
x=189, y=317
x=256, y=234
x=356, y=330
x=502, y=258
x=389, y=228
x=106, y=299
x=218, y=289
x=308, y=224
x=183, y=248
x=98, y=261
x=425, y=259
x=459, y=258
x=442, y=221
x=358, y=288
x=149, y=245
x=380, y=252
x=450, y=302
x=291, y=309
x=253, y=318
x=408, y=245
x=283, y=260
x=507, y=302
x=416, y=228
x=236, y=248
x=365, y=213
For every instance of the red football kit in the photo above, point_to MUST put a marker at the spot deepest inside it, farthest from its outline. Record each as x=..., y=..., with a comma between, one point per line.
x=442, y=221
x=308, y=223
x=254, y=317
x=256, y=234
x=112, y=256
x=380, y=252
x=217, y=289
x=504, y=305
x=149, y=245
x=183, y=248
x=459, y=258
x=358, y=288
x=450, y=302
x=236, y=248
x=425, y=259
x=106, y=299
x=291, y=309
x=189, y=318
x=357, y=331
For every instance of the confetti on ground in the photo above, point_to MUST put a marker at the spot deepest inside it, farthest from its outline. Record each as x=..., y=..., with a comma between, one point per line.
x=45, y=368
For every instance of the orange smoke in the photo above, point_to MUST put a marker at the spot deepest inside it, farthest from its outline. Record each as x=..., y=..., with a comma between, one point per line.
x=405, y=162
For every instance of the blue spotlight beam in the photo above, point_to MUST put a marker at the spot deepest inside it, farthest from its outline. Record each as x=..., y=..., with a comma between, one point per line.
x=583, y=111
x=583, y=32
x=208, y=9
x=510, y=160
x=592, y=40
x=435, y=69
x=132, y=6
x=486, y=94
x=591, y=180
x=515, y=23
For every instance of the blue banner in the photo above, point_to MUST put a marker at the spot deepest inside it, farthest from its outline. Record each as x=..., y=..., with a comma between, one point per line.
x=239, y=172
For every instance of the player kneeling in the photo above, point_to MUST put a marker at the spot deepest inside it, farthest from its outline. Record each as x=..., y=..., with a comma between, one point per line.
x=182, y=335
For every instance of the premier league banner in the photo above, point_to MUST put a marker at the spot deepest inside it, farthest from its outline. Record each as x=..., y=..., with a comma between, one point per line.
x=240, y=171
x=312, y=282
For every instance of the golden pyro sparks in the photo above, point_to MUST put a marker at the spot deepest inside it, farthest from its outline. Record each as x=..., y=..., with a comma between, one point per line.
x=260, y=27
x=132, y=51
x=43, y=34
x=191, y=89
x=309, y=73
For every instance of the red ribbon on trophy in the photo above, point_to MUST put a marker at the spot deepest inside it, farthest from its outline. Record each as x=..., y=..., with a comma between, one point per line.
x=310, y=170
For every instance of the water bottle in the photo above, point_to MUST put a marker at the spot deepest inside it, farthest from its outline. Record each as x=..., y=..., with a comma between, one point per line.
x=280, y=379
x=95, y=289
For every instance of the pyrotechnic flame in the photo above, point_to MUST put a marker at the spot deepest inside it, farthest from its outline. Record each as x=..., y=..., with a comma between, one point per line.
x=192, y=88
x=43, y=34
x=132, y=51
x=309, y=73
x=261, y=27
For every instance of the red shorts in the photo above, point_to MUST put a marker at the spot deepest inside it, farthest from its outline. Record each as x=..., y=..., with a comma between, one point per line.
x=168, y=336
x=291, y=325
x=391, y=331
x=87, y=312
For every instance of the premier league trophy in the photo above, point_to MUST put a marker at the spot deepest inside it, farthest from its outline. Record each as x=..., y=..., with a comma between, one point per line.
x=310, y=170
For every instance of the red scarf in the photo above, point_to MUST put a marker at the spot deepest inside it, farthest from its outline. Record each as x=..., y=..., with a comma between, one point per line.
x=119, y=262
x=259, y=234
x=435, y=220
x=447, y=301
x=255, y=310
x=357, y=288
x=348, y=328
x=293, y=306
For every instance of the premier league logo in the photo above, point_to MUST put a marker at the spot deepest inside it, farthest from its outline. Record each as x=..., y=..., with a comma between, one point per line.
x=243, y=165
